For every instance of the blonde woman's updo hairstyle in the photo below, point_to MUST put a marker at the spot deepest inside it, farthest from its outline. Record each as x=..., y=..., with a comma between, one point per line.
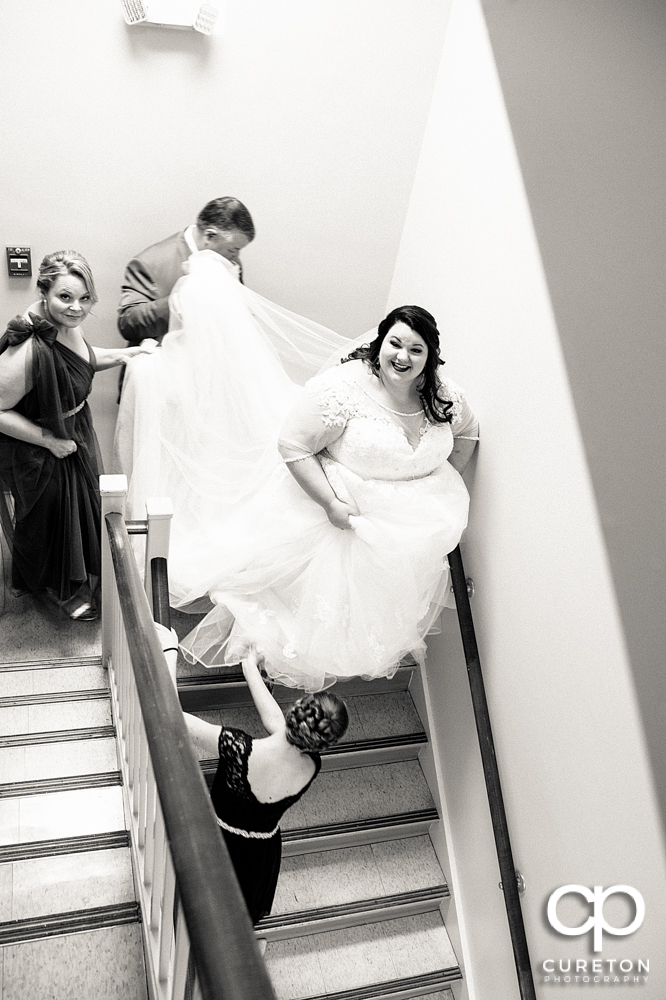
x=65, y=262
x=317, y=721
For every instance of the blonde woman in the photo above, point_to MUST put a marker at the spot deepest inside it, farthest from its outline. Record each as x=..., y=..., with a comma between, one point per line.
x=49, y=456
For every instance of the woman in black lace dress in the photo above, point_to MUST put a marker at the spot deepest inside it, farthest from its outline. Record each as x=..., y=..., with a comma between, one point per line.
x=49, y=456
x=257, y=780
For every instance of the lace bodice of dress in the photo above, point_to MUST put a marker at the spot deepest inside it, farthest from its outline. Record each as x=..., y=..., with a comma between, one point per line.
x=373, y=445
x=233, y=799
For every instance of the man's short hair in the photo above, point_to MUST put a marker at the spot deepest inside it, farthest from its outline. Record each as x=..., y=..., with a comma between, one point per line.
x=226, y=213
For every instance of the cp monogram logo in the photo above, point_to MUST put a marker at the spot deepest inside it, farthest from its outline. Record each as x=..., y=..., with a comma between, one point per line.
x=597, y=897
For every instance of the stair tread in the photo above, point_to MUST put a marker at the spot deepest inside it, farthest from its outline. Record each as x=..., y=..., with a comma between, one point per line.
x=46, y=717
x=391, y=713
x=42, y=679
x=440, y=995
x=43, y=886
x=361, y=793
x=32, y=630
x=351, y=874
x=52, y=815
x=355, y=957
x=56, y=760
x=78, y=965
x=408, y=988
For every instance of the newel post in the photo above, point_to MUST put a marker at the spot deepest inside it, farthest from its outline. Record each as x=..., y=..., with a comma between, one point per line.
x=113, y=492
x=159, y=511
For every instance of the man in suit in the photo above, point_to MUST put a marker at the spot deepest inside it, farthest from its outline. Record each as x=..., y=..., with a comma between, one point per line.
x=223, y=225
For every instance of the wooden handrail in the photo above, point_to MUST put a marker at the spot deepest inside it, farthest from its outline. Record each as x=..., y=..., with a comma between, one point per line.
x=493, y=787
x=227, y=959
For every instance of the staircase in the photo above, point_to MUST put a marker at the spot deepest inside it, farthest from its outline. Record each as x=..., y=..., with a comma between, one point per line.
x=68, y=917
x=358, y=910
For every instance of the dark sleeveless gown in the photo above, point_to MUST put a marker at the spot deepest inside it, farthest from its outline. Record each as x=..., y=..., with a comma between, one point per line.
x=256, y=860
x=50, y=507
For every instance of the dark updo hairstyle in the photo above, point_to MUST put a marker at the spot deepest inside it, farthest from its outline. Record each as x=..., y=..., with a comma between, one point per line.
x=317, y=721
x=65, y=262
x=421, y=322
x=225, y=214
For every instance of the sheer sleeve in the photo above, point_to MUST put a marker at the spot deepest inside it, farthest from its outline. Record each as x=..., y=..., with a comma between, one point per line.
x=319, y=417
x=464, y=423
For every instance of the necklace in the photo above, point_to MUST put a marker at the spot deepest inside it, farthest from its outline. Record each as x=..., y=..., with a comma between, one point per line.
x=398, y=413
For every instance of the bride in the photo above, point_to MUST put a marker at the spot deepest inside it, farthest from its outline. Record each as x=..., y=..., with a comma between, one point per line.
x=314, y=522
x=336, y=566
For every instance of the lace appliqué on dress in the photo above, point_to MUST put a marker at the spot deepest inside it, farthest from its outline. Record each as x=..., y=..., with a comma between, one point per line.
x=234, y=750
x=341, y=398
x=338, y=398
x=455, y=394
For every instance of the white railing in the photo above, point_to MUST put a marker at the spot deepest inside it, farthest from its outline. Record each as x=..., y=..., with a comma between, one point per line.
x=184, y=881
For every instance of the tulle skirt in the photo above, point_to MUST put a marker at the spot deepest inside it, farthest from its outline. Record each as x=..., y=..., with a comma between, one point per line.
x=321, y=603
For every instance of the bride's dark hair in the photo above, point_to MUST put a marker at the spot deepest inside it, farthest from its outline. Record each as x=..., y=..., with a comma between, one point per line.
x=317, y=721
x=420, y=321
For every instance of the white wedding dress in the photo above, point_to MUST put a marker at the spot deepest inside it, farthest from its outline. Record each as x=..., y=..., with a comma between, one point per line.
x=198, y=420
x=323, y=603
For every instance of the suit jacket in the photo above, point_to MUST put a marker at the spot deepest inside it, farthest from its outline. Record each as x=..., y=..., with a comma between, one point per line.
x=147, y=284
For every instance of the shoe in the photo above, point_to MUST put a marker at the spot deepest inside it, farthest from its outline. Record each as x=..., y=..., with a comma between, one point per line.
x=85, y=613
x=88, y=616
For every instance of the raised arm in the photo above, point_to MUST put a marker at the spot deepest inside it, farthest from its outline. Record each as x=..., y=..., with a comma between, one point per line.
x=204, y=735
x=269, y=711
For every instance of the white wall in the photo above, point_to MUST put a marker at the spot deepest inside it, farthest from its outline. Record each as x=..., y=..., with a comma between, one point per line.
x=584, y=85
x=578, y=790
x=312, y=113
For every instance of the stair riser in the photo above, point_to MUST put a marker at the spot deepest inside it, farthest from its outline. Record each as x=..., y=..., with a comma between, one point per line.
x=306, y=845
x=452, y=976
x=61, y=662
x=366, y=758
x=349, y=920
x=18, y=931
x=215, y=695
x=20, y=789
x=353, y=760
